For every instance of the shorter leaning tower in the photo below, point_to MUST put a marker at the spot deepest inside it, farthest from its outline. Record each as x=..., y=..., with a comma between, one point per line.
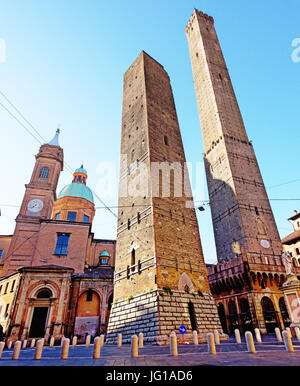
x=160, y=280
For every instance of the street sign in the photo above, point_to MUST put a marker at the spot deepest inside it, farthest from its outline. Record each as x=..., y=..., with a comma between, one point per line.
x=182, y=329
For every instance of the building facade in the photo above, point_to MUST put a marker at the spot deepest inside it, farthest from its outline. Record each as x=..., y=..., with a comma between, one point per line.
x=56, y=278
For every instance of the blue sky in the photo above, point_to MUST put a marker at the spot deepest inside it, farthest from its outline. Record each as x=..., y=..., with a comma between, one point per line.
x=64, y=66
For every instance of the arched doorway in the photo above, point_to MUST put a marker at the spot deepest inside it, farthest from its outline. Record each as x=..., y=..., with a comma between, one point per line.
x=245, y=315
x=222, y=317
x=232, y=317
x=284, y=312
x=40, y=313
x=87, y=315
x=270, y=315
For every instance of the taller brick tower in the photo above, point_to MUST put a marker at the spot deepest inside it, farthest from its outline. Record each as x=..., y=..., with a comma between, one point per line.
x=241, y=213
x=37, y=204
x=160, y=278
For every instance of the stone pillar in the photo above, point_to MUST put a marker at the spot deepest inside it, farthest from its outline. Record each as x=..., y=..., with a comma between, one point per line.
x=39, y=349
x=88, y=341
x=291, y=291
x=17, y=348
x=287, y=341
x=217, y=337
x=134, y=346
x=211, y=343
x=97, y=347
x=173, y=345
x=65, y=348
x=74, y=341
x=32, y=344
x=258, y=336
x=51, y=344
x=250, y=342
x=2, y=344
x=278, y=334
x=119, y=340
x=141, y=340
x=195, y=337
x=237, y=336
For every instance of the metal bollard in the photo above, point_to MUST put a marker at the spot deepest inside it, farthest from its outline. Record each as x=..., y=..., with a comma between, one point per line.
x=74, y=341
x=173, y=345
x=9, y=344
x=217, y=337
x=97, y=347
x=141, y=340
x=134, y=346
x=17, y=348
x=65, y=348
x=32, y=344
x=278, y=334
x=237, y=336
x=250, y=342
x=195, y=337
x=62, y=341
x=211, y=343
x=287, y=341
x=88, y=341
x=289, y=331
x=119, y=340
x=258, y=336
x=39, y=349
x=24, y=345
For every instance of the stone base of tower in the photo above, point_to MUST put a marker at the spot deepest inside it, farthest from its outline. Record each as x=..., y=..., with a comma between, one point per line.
x=157, y=314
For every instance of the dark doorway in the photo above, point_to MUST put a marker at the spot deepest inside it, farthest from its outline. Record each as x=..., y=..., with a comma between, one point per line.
x=284, y=313
x=270, y=315
x=222, y=317
x=232, y=317
x=245, y=316
x=192, y=316
x=37, y=328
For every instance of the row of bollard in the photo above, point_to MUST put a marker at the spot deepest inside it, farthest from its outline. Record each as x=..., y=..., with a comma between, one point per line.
x=137, y=342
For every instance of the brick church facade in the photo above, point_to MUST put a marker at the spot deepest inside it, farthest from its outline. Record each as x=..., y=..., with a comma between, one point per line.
x=56, y=277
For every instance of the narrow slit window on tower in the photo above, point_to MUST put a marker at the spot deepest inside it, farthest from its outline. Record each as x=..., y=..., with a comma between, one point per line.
x=128, y=223
x=138, y=217
x=256, y=211
x=132, y=259
x=166, y=141
x=44, y=173
x=220, y=76
x=192, y=316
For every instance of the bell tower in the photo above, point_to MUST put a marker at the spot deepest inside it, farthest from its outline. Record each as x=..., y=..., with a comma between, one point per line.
x=40, y=194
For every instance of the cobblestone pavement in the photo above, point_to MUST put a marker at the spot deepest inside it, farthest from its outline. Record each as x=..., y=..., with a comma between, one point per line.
x=269, y=353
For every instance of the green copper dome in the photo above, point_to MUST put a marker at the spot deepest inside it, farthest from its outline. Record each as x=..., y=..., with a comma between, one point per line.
x=81, y=170
x=104, y=254
x=77, y=190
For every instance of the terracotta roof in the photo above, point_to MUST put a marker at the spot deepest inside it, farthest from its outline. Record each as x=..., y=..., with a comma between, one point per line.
x=291, y=237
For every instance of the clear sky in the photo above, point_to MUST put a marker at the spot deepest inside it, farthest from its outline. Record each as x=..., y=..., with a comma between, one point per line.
x=64, y=65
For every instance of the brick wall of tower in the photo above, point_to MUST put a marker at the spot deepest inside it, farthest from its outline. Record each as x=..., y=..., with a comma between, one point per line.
x=241, y=211
x=160, y=225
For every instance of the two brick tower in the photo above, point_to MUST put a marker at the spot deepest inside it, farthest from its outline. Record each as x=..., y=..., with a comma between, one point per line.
x=160, y=277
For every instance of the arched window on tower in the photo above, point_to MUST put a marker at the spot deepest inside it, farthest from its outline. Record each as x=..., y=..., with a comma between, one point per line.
x=44, y=173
